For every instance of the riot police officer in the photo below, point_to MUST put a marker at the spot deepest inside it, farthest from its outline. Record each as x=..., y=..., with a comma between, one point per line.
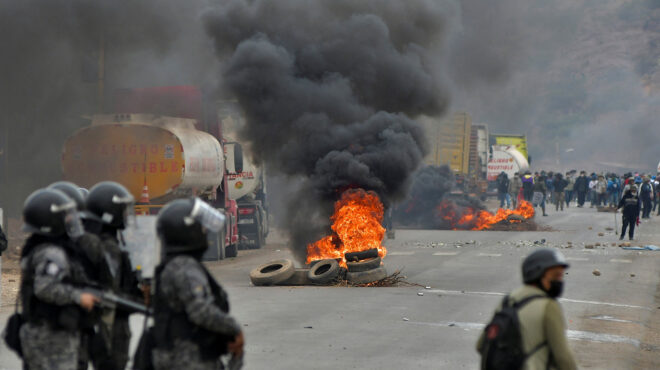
x=192, y=326
x=110, y=206
x=53, y=303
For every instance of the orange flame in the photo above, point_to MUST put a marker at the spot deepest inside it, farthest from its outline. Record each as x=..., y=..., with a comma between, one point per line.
x=356, y=226
x=472, y=219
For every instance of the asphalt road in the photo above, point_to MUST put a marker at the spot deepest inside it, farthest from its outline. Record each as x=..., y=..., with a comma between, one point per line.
x=613, y=319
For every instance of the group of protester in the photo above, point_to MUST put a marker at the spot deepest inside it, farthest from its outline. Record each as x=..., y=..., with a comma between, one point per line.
x=635, y=193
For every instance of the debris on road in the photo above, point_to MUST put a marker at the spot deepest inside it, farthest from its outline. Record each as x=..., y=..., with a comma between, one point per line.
x=420, y=294
x=644, y=248
x=589, y=246
x=596, y=272
x=601, y=234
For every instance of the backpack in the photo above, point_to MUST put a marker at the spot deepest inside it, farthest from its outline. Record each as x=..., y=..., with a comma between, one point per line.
x=502, y=347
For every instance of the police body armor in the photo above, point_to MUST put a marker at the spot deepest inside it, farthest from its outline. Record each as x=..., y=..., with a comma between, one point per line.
x=69, y=317
x=177, y=325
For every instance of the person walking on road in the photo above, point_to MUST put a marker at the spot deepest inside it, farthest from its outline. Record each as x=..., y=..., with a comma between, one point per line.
x=541, y=327
x=630, y=203
x=568, y=190
x=581, y=187
x=503, y=189
x=514, y=189
x=559, y=184
x=646, y=196
x=540, y=193
x=528, y=186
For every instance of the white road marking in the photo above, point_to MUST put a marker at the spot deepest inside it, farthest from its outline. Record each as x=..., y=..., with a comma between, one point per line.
x=571, y=334
x=576, y=259
x=616, y=260
x=445, y=253
x=569, y=300
x=400, y=253
x=610, y=318
x=489, y=254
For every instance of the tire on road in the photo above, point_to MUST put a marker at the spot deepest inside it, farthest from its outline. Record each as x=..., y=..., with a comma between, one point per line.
x=364, y=265
x=362, y=255
x=323, y=272
x=272, y=273
x=365, y=277
x=299, y=277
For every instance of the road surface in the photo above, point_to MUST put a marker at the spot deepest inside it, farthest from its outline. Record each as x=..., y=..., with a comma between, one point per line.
x=613, y=319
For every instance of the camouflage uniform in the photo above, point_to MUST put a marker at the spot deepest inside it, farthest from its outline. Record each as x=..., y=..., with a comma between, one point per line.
x=183, y=285
x=47, y=345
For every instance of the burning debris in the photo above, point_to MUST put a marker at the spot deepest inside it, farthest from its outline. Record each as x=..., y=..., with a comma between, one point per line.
x=356, y=228
x=456, y=217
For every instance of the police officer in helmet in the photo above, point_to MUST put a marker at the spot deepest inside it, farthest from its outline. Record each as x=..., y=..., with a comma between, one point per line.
x=192, y=325
x=53, y=303
x=110, y=210
x=542, y=325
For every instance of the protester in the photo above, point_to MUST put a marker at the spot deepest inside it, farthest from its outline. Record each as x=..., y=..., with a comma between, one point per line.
x=559, y=184
x=593, y=181
x=630, y=203
x=601, y=191
x=581, y=187
x=568, y=190
x=646, y=196
x=613, y=187
x=503, y=189
x=540, y=192
x=515, y=185
x=528, y=186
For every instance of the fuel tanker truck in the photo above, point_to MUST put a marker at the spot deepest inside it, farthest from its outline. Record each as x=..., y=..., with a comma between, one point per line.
x=163, y=143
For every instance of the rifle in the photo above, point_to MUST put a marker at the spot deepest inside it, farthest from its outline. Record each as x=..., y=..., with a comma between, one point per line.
x=112, y=301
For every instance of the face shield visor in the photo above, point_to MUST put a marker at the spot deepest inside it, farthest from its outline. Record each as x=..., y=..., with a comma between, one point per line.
x=209, y=217
x=72, y=222
x=128, y=203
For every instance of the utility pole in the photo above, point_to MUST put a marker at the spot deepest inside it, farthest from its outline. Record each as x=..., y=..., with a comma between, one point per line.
x=101, y=74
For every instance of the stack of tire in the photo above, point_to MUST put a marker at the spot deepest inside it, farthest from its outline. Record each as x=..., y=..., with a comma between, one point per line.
x=364, y=267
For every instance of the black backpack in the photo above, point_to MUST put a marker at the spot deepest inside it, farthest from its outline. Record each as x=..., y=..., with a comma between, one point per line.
x=502, y=347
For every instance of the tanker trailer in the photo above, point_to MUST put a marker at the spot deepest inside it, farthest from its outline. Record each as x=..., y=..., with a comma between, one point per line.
x=157, y=158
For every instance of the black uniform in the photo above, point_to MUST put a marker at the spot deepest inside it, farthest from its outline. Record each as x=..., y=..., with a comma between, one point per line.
x=581, y=186
x=631, y=207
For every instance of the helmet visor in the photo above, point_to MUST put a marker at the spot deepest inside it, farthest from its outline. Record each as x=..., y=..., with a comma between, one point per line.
x=209, y=217
x=129, y=209
x=72, y=222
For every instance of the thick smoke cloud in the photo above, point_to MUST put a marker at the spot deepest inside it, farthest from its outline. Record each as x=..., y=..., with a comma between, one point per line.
x=49, y=72
x=331, y=98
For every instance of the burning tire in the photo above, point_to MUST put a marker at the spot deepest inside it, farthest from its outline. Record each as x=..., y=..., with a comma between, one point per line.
x=366, y=276
x=272, y=273
x=323, y=272
x=362, y=255
x=364, y=265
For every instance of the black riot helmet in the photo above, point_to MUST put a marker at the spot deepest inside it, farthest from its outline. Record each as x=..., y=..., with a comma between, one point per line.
x=535, y=265
x=112, y=203
x=50, y=212
x=72, y=191
x=182, y=225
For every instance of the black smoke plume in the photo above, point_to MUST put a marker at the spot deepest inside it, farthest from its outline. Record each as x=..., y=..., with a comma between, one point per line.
x=330, y=91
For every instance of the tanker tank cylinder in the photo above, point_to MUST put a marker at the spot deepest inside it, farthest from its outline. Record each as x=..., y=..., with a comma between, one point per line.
x=166, y=154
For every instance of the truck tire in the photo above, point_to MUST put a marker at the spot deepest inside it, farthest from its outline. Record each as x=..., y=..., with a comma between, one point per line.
x=323, y=272
x=231, y=251
x=272, y=273
x=299, y=277
x=364, y=265
x=361, y=255
x=365, y=277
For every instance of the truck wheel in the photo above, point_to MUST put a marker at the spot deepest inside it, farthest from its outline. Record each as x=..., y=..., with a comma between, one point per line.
x=364, y=265
x=323, y=272
x=231, y=251
x=365, y=277
x=361, y=255
x=272, y=273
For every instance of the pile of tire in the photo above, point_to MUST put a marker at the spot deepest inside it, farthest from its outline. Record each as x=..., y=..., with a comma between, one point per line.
x=364, y=267
x=282, y=272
